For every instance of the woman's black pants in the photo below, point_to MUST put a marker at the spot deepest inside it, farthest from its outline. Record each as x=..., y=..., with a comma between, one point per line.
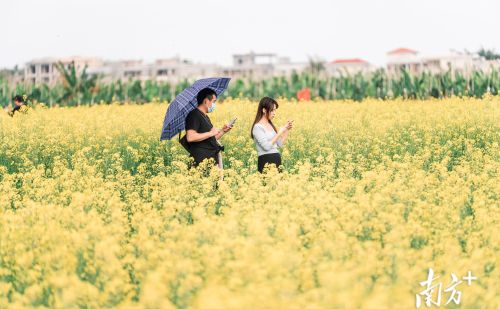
x=270, y=158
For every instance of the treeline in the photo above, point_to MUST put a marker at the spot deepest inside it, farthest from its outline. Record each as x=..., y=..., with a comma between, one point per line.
x=82, y=89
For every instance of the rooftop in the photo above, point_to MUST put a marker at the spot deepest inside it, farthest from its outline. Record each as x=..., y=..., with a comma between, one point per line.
x=352, y=60
x=402, y=50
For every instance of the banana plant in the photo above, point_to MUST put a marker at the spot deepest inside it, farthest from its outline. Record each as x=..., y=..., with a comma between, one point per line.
x=76, y=86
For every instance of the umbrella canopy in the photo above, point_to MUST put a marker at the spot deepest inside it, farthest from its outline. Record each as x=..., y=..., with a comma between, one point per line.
x=175, y=118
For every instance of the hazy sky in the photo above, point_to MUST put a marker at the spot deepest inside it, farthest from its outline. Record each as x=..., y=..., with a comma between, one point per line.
x=212, y=30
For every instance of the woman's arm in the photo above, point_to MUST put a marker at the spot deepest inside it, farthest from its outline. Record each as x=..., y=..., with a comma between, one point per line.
x=259, y=134
x=283, y=138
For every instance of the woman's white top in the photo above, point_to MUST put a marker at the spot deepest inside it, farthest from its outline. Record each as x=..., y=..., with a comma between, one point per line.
x=262, y=138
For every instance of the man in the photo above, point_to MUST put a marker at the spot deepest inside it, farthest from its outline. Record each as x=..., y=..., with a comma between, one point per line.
x=200, y=133
x=18, y=102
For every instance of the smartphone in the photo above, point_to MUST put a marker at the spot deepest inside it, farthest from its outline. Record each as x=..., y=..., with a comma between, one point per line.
x=231, y=123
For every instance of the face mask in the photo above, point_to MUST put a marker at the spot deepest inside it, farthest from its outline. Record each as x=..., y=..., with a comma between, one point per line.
x=211, y=108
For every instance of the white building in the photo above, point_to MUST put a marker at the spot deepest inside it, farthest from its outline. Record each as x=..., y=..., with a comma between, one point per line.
x=162, y=70
x=253, y=66
x=285, y=67
x=454, y=62
x=175, y=69
x=344, y=67
x=44, y=70
x=462, y=63
x=121, y=70
x=246, y=66
x=487, y=65
x=403, y=58
x=260, y=66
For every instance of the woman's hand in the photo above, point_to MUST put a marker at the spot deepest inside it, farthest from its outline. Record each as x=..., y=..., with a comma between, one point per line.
x=286, y=128
x=282, y=130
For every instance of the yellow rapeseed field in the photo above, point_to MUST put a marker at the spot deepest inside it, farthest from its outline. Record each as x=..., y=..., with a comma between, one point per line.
x=95, y=212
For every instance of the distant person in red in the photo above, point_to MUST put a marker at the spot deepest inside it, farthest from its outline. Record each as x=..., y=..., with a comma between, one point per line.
x=19, y=103
x=304, y=95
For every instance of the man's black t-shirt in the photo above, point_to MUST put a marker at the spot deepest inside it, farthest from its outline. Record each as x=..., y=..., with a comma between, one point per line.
x=198, y=121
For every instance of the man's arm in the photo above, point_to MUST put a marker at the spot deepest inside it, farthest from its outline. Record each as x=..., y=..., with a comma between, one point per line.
x=223, y=131
x=193, y=136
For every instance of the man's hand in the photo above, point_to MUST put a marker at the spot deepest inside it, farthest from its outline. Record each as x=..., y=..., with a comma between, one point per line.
x=214, y=131
x=226, y=128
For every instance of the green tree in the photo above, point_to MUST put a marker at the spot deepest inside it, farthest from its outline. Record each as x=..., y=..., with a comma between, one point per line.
x=488, y=54
x=77, y=88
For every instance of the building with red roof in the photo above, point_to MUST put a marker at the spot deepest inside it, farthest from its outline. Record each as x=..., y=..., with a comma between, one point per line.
x=349, y=66
x=403, y=58
x=402, y=50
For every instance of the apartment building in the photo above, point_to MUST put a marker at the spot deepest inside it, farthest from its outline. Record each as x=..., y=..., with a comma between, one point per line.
x=345, y=67
x=44, y=70
x=455, y=62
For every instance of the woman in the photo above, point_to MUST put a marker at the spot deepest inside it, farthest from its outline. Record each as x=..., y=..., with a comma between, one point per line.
x=267, y=138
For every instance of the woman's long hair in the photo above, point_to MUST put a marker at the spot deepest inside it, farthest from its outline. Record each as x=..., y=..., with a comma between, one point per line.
x=269, y=104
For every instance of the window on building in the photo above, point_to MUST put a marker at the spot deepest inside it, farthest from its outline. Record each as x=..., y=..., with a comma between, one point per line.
x=46, y=80
x=132, y=73
x=45, y=68
x=162, y=72
x=32, y=69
